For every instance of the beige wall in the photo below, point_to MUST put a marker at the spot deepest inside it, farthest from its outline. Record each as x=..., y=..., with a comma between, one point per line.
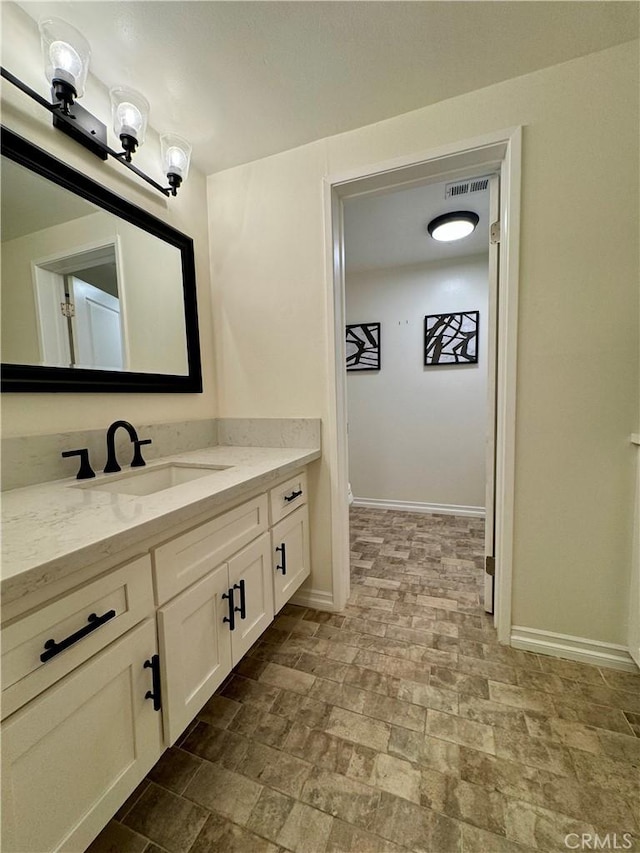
x=578, y=337
x=30, y=414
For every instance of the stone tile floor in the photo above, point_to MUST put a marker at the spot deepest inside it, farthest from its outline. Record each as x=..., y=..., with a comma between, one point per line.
x=398, y=724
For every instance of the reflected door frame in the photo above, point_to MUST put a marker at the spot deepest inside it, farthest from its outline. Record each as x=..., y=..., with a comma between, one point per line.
x=47, y=275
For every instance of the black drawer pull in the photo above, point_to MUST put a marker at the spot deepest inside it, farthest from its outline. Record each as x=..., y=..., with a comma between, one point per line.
x=283, y=567
x=242, y=610
x=53, y=648
x=155, y=694
x=292, y=496
x=231, y=618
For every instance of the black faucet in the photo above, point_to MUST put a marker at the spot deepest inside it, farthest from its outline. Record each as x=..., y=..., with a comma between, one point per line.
x=112, y=462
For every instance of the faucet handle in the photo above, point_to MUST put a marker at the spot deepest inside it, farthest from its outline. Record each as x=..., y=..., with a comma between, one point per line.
x=138, y=461
x=85, y=472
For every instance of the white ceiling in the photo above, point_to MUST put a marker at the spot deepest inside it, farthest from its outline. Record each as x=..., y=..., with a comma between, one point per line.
x=390, y=229
x=242, y=80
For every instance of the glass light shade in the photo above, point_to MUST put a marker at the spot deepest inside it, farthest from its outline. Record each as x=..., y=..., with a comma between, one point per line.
x=176, y=155
x=66, y=53
x=453, y=226
x=130, y=111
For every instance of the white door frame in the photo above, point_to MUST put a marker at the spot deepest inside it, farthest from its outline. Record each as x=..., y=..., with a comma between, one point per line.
x=491, y=375
x=46, y=270
x=499, y=150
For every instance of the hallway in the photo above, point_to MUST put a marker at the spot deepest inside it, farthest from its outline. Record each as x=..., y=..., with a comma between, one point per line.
x=398, y=724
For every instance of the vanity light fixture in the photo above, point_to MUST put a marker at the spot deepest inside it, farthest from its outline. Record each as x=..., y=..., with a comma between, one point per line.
x=130, y=111
x=66, y=55
x=453, y=226
x=176, y=156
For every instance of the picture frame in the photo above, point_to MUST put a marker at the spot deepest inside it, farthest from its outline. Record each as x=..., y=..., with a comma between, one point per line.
x=451, y=339
x=363, y=347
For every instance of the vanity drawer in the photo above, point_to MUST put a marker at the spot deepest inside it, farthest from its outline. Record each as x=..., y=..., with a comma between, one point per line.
x=119, y=600
x=288, y=496
x=191, y=556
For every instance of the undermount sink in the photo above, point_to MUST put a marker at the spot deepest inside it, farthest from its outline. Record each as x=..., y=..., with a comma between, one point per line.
x=148, y=481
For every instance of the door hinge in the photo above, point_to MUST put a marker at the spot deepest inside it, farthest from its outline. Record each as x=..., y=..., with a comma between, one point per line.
x=494, y=232
x=67, y=309
x=490, y=566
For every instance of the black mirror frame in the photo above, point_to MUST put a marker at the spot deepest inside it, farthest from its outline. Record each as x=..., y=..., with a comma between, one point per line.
x=27, y=377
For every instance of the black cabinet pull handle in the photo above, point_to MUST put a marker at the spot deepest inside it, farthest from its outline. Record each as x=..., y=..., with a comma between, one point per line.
x=293, y=496
x=155, y=693
x=53, y=648
x=283, y=567
x=242, y=610
x=231, y=618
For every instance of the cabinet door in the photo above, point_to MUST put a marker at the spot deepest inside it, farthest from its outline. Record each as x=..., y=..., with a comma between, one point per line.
x=73, y=755
x=291, y=560
x=250, y=579
x=195, y=649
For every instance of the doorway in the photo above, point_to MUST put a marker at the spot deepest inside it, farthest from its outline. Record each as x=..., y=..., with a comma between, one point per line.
x=419, y=317
x=497, y=154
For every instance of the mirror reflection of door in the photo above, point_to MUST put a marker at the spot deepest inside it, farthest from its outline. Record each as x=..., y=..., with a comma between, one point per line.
x=79, y=308
x=95, y=327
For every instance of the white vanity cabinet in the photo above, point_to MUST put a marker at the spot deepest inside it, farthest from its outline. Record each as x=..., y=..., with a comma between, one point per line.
x=71, y=756
x=289, y=537
x=99, y=681
x=291, y=560
x=251, y=584
x=205, y=631
x=41, y=648
x=195, y=652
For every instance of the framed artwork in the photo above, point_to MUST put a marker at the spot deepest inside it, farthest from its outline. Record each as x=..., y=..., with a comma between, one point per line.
x=363, y=346
x=451, y=338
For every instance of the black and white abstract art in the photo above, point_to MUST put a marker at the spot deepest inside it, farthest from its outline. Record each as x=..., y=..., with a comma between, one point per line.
x=363, y=346
x=451, y=338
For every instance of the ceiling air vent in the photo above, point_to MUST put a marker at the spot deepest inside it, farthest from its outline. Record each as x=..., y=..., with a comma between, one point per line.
x=459, y=188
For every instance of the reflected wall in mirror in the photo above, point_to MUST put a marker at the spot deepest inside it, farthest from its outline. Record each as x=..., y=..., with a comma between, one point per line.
x=96, y=293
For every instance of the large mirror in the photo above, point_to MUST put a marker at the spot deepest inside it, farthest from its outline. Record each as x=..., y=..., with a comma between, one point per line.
x=96, y=294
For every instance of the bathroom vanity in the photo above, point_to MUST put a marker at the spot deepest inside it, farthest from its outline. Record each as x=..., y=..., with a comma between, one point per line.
x=123, y=613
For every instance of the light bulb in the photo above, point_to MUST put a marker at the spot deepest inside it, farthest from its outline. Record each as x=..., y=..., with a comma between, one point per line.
x=176, y=160
x=66, y=55
x=129, y=118
x=65, y=60
x=130, y=112
x=176, y=154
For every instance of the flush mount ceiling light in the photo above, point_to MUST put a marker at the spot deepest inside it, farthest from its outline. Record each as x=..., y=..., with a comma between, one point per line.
x=453, y=226
x=66, y=55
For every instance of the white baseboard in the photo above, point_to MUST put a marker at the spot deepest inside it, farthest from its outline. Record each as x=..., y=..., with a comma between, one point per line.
x=573, y=648
x=318, y=599
x=415, y=506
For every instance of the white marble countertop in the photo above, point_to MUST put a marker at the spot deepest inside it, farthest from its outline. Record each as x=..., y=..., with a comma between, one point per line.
x=54, y=529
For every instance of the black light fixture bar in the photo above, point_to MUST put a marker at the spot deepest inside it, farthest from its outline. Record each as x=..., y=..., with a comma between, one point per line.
x=79, y=133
